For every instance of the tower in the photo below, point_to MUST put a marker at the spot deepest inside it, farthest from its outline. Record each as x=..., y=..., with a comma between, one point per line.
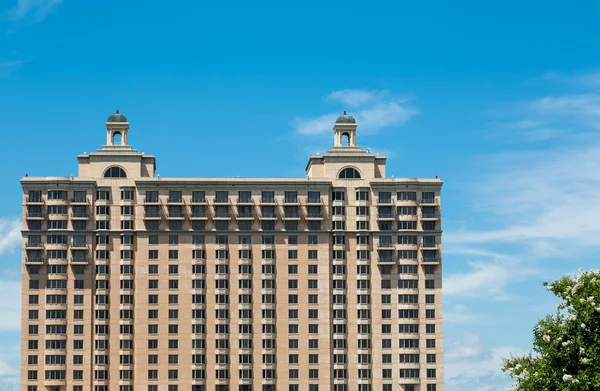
x=344, y=131
x=116, y=130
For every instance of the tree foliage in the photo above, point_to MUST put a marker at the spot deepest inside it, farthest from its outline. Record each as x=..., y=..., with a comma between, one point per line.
x=566, y=345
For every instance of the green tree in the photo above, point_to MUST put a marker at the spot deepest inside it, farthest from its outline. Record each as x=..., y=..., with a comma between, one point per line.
x=566, y=345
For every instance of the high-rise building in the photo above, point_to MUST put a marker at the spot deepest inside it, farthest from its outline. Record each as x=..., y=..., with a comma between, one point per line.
x=132, y=281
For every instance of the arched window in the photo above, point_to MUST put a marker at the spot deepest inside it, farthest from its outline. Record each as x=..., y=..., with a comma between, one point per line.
x=117, y=138
x=349, y=173
x=115, y=172
x=346, y=139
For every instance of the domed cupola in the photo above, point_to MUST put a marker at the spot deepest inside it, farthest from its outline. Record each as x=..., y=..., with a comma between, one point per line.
x=344, y=131
x=117, y=128
x=116, y=117
x=345, y=119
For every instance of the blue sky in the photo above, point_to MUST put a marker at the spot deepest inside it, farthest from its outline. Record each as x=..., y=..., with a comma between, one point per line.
x=500, y=99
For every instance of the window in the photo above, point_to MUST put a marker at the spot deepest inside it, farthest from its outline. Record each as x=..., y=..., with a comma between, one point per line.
x=339, y=195
x=268, y=196
x=115, y=172
x=314, y=197
x=349, y=173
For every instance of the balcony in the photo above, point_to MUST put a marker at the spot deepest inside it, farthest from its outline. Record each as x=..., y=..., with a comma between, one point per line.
x=79, y=201
x=314, y=216
x=385, y=245
x=315, y=200
x=386, y=216
x=175, y=201
x=428, y=201
x=179, y=215
x=34, y=245
x=268, y=216
x=79, y=215
x=151, y=201
x=245, y=201
x=386, y=260
x=268, y=200
x=79, y=245
x=291, y=201
x=245, y=216
x=221, y=215
x=34, y=201
x=34, y=215
x=434, y=260
x=198, y=214
x=199, y=200
x=430, y=245
x=430, y=216
x=221, y=200
x=79, y=260
x=35, y=260
x=292, y=216
x=152, y=215
x=384, y=200
x=55, y=382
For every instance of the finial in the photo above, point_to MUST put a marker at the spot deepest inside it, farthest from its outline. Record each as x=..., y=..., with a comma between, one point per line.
x=344, y=112
x=117, y=111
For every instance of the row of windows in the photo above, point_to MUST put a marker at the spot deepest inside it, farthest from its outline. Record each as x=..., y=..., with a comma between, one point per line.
x=173, y=374
x=265, y=387
x=201, y=298
x=224, y=284
x=224, y=269
x=224, y=343
x=200, y=359
x=224, y=225
x=174, y=239
x=223, y=196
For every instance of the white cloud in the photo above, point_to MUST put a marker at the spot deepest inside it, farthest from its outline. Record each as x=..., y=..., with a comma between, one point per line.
x=486, y=279
x=10, y=234
x=10, y=305
x=544, y=201
x=374, y=111
x=32, y=10
x=471, y=366
x=9, y=363
x=459, y=314
x=580, y=79
x=7, y=67
x=356, y=98
x=316, y=125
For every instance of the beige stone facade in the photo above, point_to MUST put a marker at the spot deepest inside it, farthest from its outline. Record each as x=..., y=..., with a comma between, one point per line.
x=136, y=282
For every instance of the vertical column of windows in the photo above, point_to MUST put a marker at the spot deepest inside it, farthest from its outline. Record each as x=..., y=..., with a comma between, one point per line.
x=153, y=303
x=244, y=308
x=268, y=301
x=293, y=284
x=173, y=298
x=198, y=309
x=222, y=300
x=340, y=316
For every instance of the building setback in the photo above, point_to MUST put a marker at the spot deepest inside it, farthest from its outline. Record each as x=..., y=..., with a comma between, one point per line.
x=133, y=281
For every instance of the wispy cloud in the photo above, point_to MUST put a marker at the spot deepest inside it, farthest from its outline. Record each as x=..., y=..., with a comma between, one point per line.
x=7, y=67
x=470, y=365
x=10, y=234
x=374, y=110
x=32, y=11
x=9, y=362
x=543, y=199
x=580, y=79
x=10, y=305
